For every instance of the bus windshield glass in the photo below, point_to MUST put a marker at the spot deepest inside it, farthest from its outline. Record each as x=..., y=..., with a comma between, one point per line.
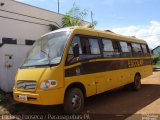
x=47, y=50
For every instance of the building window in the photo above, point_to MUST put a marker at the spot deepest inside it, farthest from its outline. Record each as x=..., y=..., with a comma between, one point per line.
x=29, y=42
x=9, y=41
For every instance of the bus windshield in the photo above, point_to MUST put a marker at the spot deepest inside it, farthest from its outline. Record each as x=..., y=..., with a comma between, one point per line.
x=47, y=50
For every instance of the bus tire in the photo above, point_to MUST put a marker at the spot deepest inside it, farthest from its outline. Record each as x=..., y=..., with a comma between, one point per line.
x=73, y=101
x=136, y=85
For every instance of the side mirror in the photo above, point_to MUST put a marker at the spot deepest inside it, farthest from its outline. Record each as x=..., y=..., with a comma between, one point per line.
x=76, y=50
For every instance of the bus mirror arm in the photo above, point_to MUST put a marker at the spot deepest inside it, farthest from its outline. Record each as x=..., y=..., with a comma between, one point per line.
x=76, y=50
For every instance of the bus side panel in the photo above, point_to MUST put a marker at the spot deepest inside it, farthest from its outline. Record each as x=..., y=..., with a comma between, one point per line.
x=103, y=81
x=117, y=78
x=98, y=82
x=146, y=71
x=87, y=80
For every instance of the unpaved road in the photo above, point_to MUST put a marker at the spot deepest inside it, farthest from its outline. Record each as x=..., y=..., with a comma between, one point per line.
x=116, y=105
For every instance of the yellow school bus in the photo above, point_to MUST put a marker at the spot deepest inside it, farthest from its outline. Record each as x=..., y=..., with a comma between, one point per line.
x=67, y=65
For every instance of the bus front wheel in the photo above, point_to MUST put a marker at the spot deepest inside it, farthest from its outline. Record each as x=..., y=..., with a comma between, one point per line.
x=73, y=101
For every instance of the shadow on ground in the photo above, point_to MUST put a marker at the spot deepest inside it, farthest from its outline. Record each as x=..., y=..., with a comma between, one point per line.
x=118, y=104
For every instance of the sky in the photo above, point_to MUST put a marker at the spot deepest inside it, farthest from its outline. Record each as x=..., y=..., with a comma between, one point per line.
x=138, y=18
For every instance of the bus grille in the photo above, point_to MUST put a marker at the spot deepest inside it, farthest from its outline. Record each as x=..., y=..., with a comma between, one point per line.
x=26, y=85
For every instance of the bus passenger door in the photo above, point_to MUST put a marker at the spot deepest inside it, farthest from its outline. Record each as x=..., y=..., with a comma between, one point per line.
x=91, y=68
x=84, y=70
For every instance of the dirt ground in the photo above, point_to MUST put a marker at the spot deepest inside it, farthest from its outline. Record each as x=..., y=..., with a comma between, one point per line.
x=115, y=105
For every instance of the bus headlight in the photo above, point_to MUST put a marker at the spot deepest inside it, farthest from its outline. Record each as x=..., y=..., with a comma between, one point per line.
x=48, y=84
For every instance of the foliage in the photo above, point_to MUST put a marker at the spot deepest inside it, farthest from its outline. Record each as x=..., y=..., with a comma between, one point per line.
x=92, y=25
x=74, y=17
x=156, y=59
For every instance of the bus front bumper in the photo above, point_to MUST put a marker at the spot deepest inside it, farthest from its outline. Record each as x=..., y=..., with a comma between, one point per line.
x=40, y=97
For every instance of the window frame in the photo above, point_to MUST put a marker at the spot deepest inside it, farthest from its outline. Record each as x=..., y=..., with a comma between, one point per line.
x=148, y=54
x=114, y=52
x=91, y=38
x=128, y=54
x=8, y=40
x=103, y=39
x=100, y=43
x=87, y=36
x=139, y=44
x=126, y=43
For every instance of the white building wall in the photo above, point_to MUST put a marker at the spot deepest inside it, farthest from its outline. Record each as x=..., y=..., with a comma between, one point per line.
x=18, y=20
x=7, y=74
x=22, y=22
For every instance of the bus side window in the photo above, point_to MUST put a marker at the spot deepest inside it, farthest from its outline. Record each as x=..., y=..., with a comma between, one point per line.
x=129, y=47
x=70, y=57
x=85, y=46
x=148, y=50
x=108, y=50
x=145, y=50
x=94, y=46
x=137, y=51
x=126, y=49
x=116, y=48
x=90, y=48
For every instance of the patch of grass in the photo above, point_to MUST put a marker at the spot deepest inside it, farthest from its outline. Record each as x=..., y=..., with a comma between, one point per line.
x=6, y=104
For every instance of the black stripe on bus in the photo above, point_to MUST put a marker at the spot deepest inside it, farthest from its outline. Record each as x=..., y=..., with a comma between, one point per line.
x=102, y=66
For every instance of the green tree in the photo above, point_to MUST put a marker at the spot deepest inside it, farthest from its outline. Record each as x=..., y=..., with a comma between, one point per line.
x=74, y=17
x=92, y=25
x=156, y=59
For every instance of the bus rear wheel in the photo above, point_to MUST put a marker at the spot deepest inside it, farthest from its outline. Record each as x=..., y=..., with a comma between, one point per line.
x=136, y=85
x=74, y=101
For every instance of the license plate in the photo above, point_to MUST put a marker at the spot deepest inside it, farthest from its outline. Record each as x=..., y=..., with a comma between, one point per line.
x=23, y=97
